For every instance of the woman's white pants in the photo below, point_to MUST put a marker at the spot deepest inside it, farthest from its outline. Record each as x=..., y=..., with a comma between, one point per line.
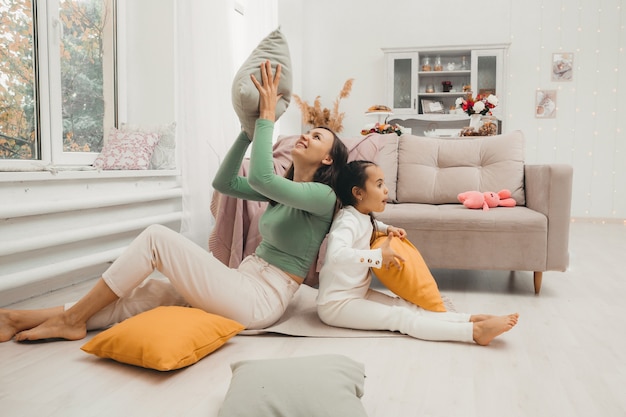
x=255, y=295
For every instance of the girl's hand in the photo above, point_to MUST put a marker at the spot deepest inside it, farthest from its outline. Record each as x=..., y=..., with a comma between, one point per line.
x=389, y=256
x=268, y=90
x=396, y=231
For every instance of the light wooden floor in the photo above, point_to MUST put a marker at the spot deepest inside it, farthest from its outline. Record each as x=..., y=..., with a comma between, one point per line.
x=566, y=357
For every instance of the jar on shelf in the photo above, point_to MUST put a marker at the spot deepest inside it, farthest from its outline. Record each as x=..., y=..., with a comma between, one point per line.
x=464, y=65
x=426, y=66
x=438, y=64
x=430, y=88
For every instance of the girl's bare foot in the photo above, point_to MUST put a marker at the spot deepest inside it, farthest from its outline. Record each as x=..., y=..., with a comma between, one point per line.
x=487, y=330
x=475, y=318
x=56, y=327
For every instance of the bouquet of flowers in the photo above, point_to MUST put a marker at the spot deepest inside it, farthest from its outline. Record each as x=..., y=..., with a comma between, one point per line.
x=477, y=105
x=383, y=128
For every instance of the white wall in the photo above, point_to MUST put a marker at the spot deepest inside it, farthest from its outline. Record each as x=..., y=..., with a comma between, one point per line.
x=147, y=61
x=334, y=40
x=291, y=18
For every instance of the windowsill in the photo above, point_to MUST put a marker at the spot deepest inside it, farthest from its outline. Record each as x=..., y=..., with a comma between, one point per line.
x=67, y=173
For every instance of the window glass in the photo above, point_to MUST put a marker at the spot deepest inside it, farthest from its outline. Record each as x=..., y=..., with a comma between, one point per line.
x=84, y=42
x=18, y=107
x=57, y=79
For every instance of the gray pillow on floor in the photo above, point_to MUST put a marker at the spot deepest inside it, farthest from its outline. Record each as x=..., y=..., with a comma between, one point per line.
x=323, y=385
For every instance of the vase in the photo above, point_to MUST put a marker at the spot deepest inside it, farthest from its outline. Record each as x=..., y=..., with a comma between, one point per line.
x=475, y=121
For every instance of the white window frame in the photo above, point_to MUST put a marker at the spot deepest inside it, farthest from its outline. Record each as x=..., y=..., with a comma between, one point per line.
x=48, y=35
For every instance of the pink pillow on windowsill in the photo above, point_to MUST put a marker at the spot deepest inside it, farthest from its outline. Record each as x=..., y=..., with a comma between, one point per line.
x=164, y=155
x=127, y=150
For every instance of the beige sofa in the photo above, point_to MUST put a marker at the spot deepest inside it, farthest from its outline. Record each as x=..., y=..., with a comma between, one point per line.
x=425, y=175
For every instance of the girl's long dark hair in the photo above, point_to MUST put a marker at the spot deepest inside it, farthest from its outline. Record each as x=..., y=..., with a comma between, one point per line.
x=354, y=175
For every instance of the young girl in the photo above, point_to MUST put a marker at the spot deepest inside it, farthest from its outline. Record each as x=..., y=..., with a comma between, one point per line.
x=345, y=298
x=256, y=294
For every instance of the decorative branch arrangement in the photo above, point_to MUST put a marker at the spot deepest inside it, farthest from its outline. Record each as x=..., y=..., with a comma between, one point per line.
x=315, y=115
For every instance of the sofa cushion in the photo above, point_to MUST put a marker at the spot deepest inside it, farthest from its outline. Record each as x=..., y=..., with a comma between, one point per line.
x=435, y=171
x=381, y=149
x=387, y=160
x=509, y=221
x=451, y=236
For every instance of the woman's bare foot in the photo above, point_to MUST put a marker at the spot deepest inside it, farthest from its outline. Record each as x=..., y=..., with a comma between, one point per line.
x=8, y=326
x=14, y=321
x=56, y=327
x=487, y=330
x=56, y=322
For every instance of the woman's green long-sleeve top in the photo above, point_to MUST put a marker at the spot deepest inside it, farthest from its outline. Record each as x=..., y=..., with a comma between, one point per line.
x=293, y=229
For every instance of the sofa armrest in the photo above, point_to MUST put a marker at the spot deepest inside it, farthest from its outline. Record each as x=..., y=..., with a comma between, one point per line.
x=549, y=191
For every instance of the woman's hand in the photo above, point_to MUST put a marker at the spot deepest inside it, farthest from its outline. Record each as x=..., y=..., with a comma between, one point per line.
x=396, y=231
x=268, y=90
x=389, y=256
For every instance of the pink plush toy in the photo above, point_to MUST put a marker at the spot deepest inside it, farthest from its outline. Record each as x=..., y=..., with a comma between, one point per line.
x=486, y=200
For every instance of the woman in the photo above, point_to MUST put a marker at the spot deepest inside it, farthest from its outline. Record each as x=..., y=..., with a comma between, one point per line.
x=257, y=293
x=345, y=298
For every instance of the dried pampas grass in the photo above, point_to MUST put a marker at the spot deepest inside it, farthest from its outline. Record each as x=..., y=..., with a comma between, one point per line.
x=315, y=115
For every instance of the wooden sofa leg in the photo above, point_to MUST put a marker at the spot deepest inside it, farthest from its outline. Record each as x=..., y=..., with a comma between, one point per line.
x=538, y=275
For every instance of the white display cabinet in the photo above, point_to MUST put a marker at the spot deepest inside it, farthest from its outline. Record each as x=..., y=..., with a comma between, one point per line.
x=423, y=84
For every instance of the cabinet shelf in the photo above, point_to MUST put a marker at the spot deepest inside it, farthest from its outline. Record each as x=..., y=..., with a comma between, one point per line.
x=439, y=73
x=432, y=117
x=442, y=94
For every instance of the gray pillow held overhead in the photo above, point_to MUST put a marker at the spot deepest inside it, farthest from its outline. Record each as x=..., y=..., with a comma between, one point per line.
x=245, y=96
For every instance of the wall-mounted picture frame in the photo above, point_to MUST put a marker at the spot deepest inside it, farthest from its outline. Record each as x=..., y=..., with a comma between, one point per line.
x=545, y=104
x=432, y=106
x=562, y=66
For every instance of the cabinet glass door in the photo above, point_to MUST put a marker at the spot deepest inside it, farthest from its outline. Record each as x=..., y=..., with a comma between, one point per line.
x=486, y=82
x=487, y=76
x=403, y=70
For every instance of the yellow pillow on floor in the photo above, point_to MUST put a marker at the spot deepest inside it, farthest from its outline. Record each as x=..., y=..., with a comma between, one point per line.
x=413, y=282
x=164, y=338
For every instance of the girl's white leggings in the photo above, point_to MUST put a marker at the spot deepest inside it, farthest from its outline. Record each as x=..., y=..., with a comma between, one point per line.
x=379, y=311
x=255, y=295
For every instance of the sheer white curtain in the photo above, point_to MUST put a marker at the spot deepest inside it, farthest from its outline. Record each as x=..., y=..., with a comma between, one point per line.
x=212, y=41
